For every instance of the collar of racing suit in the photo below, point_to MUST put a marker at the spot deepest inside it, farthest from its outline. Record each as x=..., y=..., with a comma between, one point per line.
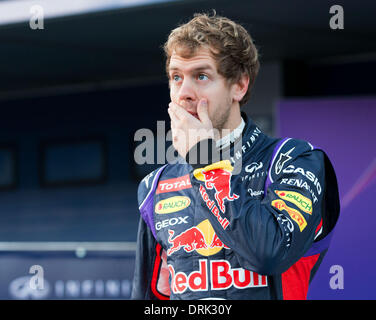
x=206, y=152
x=249, y=129
x=231, y=137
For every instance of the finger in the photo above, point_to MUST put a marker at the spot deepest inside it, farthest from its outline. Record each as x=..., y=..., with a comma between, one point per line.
x=180, y=112
x=173, y=117
x=202, y=111
x=173, y=108
x=173, y=124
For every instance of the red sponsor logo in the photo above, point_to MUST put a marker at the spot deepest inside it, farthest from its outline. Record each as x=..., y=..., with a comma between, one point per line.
x=201, y=238
x=217, y=243
x=175, y=184
x=219, y=179
x=191, y=239
x=213, y=208
x=221, y=277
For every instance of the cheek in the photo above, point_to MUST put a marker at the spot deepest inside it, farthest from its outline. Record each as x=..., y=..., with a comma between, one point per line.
x=214, y=108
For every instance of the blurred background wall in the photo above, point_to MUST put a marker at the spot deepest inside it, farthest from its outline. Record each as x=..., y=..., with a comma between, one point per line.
x=73, y=94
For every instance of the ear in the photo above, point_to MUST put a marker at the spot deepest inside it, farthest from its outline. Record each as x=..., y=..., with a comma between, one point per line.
x=240, y=88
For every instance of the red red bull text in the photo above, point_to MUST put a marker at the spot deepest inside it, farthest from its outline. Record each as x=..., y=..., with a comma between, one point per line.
x=219, y=179
x=221, y=277
x=213, y=208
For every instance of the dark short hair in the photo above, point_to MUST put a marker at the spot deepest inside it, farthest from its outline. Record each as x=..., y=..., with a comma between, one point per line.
x=229, y=43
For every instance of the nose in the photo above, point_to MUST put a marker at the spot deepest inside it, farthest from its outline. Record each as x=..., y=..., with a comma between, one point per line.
x=187, y=91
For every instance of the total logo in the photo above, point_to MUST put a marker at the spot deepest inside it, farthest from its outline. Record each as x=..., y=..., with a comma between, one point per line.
x=174, y=184
x=219, y=273
x=201, y=238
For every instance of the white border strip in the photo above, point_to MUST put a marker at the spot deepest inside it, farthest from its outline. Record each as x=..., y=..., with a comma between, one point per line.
x=320, y=231
x=67, y=246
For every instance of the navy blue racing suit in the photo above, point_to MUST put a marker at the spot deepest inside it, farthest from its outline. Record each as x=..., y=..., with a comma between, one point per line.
x=253, y=225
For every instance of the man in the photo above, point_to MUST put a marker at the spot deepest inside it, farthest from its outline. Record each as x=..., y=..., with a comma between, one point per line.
x=251, y=224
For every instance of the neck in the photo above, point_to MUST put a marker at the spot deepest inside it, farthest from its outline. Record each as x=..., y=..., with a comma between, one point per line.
x=231, y=136
x=233, y=120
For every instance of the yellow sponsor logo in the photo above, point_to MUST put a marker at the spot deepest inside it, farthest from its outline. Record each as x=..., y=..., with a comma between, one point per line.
x=213, y=243
x=302, y=202
x=223, y=164
x=172, y=204
x=294, y=214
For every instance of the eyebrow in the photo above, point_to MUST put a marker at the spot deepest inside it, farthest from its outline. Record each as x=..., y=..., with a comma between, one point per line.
x=200, y=68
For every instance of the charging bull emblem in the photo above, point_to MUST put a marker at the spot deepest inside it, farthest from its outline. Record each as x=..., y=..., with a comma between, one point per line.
x=201, y=239
x=189, y=240
x=218, y=177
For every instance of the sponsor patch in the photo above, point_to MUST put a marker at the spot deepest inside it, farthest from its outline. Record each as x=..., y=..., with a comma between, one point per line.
x=220, y=275
x=175, y=184
x=200, y=238
x=172, y=204
x=253, y=167
x=213, y=208
x=170, y=222
x=283, y=158
x=294, y=214
x=300, y=183
x=217, y=176
x=308, y=174
x=302, y=202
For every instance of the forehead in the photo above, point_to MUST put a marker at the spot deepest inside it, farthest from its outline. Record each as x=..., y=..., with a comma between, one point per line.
x=202, y=59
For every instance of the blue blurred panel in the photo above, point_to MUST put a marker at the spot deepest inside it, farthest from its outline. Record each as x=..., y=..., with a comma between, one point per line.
x=6, y=168
x=74, y=162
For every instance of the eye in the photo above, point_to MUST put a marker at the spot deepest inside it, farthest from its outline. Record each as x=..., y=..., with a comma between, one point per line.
x=176, y=78
x=202, y=77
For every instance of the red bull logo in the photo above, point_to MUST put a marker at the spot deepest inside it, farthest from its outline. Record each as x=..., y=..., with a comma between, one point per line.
x=213, y=208
x=218, y=274
x=201, y=239
x=218, y=177
x=219, y=180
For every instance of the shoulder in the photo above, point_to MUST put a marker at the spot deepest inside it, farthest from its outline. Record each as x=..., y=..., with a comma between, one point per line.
x=289, y=152
x=147, y=186
x=298, y=164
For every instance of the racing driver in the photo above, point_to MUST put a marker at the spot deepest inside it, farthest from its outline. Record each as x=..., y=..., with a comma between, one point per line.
x=251, y=223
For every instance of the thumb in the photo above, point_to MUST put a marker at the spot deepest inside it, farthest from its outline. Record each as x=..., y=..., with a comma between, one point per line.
x=202, y=111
